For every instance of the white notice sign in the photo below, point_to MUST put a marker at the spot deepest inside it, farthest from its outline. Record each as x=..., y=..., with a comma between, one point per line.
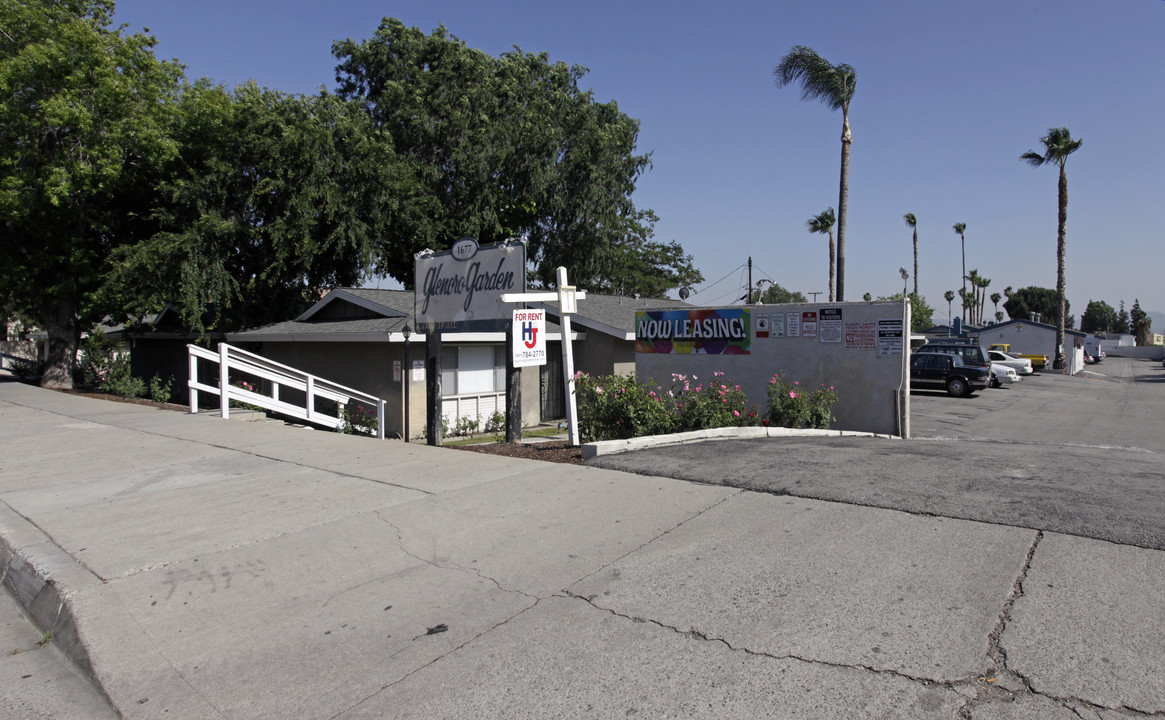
x=529, y=338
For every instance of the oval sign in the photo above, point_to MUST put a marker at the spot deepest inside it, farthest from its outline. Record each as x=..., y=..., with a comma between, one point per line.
x=465, y=248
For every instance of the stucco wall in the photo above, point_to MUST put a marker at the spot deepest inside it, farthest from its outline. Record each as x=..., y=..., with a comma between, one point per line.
x=873, y=391
x=368, y=367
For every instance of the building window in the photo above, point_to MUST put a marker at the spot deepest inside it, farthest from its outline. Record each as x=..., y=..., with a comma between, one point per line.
x=473, y=369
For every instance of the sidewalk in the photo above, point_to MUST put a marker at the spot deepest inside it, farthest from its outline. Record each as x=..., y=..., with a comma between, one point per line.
x=206, y=568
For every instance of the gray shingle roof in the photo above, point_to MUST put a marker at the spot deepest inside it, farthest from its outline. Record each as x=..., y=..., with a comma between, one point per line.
x=610, y=314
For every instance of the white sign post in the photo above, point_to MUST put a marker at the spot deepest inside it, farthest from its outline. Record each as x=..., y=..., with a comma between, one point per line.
x=567, y=297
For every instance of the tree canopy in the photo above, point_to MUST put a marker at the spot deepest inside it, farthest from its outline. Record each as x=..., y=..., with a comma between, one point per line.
x=272, y=199
x=1023, y=302
x=504, y=147
x=123, y=187
x=84, y=118
x=1099, y=317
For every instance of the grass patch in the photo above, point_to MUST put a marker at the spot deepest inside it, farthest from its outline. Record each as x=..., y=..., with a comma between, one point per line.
x=484, y=439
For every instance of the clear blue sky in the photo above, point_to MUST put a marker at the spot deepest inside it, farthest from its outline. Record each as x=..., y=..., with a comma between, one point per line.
x=948, y=96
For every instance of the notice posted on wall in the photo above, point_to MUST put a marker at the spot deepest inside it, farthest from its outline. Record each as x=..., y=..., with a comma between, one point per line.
x=794, y=320
x=809, y=323
x=890, y=338
x=860, y=335
x=762, y=326
x=831, y=328
x=778, y=329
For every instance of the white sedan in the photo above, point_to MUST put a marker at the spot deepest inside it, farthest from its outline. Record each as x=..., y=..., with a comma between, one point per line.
x=1022, y=366
x=1003, y=375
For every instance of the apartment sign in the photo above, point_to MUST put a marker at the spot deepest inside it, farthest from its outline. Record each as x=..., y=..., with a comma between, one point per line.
x=465, y=284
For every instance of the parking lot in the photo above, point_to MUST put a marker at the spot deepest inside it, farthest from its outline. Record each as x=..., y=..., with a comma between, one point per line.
x=1082, y=455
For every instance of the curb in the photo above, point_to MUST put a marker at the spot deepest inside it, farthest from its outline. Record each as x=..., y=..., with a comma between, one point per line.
x=41, y=577
x=612, y=447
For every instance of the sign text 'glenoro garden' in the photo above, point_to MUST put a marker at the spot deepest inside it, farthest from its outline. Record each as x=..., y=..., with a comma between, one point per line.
x=466, y=283
x=708, y=331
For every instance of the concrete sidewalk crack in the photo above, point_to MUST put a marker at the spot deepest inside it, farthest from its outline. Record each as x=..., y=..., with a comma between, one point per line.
x=656, y=537
x=704, y=637
x=448, y=566
x=995, y=650
x=437, y=659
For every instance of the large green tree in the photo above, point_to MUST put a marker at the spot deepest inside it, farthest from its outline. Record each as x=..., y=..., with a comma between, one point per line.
x=272, y=199
x=822, y=224
x=1058, y=145
x=1098, y=317
x=834, y=85
x=1140, y=323
x=503, y=147
x=1043, y=301
x=84, y=118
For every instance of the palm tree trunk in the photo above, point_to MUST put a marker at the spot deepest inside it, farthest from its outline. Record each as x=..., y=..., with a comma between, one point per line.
x=842, y=202
x=832, y=268
x=1061, y=251
x=916, y=261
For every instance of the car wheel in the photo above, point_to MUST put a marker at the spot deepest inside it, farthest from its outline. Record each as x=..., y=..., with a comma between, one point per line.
x=995, y=382
x=957, y=387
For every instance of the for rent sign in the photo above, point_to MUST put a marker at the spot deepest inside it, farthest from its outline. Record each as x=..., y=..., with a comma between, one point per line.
x=707, y=331
x=466, y=283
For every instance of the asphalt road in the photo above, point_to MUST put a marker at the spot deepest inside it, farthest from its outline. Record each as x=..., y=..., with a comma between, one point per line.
x=1082, y=455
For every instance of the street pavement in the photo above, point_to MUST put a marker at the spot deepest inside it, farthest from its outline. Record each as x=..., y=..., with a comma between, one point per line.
x=1006, y=565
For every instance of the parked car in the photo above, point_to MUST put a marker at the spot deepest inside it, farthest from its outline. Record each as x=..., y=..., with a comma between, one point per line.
x=1039, y=362
x=1022, y=366
x=942, y=371
x=1003, y=375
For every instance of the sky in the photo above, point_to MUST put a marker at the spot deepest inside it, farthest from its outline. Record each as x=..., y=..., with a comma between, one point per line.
x=948, y=96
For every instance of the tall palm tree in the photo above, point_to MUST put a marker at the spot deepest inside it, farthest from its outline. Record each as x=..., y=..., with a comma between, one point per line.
x=823, y=224
x=982, y=285
x=1058, y=145
x=949, y=296
x=912, y=223
x=972, y=279
x=961, y=228
x=995, y=298
x=834, y=85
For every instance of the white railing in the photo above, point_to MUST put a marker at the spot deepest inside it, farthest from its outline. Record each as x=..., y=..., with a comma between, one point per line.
x=277, y=378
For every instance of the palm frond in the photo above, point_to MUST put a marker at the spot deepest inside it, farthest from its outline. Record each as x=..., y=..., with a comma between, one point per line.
x=820, y=80
x=910, y=220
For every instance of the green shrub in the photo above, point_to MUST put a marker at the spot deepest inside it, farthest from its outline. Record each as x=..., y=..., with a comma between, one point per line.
x=358, y=420
x=116, y=378
x=159, y=392
x=792, y=407
x=613, y=407
x=710, y=404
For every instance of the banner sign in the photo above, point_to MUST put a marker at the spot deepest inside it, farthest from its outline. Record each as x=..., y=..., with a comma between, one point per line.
x=529, y=346
x=465, y=285
x=707, y=331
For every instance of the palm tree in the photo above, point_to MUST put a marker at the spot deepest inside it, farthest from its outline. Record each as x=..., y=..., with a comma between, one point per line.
x=972, y=278
x=1058, y=145
x=961, y=228
x=834, y=85
x=949, y=296
x=995, y=298
x=982, y=284
x=912, y=223
x=823, y=224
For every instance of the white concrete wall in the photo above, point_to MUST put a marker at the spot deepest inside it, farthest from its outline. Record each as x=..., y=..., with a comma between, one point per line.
x=1151, y=352
x=873, y=391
